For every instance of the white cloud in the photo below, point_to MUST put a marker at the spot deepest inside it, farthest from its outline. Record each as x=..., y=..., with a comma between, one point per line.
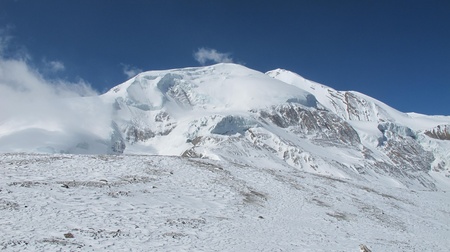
x=4, y=40
x=8, y=49
x=30, y=100
x=24, y=90
x=55, y=66
x=203, y=55
x=130, y=71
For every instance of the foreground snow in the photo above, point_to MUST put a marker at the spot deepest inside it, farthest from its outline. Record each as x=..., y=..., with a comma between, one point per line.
x=161, y=203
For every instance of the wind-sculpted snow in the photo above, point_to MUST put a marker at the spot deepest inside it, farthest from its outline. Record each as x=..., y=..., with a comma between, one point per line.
x=161, y=203
x=231, y=125
x=222, y=86
x=397, y=129
x=310, y=101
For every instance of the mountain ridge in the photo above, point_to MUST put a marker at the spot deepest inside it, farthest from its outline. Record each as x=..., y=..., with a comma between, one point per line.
x=230, y=112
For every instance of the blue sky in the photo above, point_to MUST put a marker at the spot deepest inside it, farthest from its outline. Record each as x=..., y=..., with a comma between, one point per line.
x=395, y=51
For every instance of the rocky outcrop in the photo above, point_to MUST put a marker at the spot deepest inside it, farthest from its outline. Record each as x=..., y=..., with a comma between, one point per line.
x=321, y=125
x=135, y=134
x=400, y=145
x=441, y=132
x=140, y=132
x=364, y=248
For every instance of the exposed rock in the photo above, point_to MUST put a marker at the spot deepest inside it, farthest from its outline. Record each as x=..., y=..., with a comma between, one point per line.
x=441, y=132
x=364, y=248
x=162, y=116
x=403, y=150
x=325, y=127
x=68, y=235
x=134, y=134
x=191, y=153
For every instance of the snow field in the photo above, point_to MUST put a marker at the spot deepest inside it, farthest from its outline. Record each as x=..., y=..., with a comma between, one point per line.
x=161, y=203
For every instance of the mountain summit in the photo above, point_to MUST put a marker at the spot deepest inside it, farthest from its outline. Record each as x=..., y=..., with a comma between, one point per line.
x=233, y=113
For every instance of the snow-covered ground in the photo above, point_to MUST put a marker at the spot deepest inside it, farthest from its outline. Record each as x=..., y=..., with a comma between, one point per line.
x=163, y=203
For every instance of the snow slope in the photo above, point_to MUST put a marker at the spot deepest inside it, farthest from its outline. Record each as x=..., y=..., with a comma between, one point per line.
x=369, y=116
x=162, y=203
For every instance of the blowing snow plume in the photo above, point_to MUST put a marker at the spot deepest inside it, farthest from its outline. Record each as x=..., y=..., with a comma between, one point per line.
x=130, y=71
x=36, y=112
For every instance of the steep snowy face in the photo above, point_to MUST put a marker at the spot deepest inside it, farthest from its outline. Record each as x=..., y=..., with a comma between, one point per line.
x=355, y=106
x=320, y=125
x=347, y=104
x=222, y=87
x=396, y=142
x=159, y=111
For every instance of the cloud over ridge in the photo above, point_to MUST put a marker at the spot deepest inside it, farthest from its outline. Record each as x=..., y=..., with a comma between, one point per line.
x=204, y=55
x=130, y=71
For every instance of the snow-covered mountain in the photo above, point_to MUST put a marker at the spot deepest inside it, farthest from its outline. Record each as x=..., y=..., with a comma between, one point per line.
x=223, y=158
x=233, y=113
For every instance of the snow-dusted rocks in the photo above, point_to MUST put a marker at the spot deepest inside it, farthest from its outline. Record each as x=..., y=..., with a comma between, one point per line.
x=441, y=132
x=364, y=248
x=346, y=104
x=320, y=125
